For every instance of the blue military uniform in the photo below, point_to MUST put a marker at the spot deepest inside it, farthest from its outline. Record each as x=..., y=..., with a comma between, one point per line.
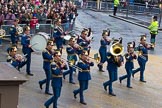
x=129, y=65
x=85, y=45
x=83, y=77
x=72, y=58
x=112, y=68
x=12, y=60
x=58, y=32
x=47, y=59
x=25, y=42
x=57, y=74
x=14, y=35
x=142, y=59
x=103, y=52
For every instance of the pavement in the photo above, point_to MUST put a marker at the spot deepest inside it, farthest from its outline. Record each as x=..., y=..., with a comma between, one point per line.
x=142, y=95
x=140, y=19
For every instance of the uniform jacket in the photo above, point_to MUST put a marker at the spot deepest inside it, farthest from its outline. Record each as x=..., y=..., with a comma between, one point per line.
x=85, y=73
x=25, y=42
x=47, y=59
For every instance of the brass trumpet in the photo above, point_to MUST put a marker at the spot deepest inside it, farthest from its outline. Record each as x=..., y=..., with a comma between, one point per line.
x=116, y=49
x=96, y=57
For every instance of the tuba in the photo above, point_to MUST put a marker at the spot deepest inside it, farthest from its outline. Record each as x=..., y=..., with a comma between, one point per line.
x=2, y=33
x=117, y=50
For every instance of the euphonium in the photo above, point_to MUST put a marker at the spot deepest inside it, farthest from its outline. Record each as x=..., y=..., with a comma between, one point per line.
x=116, y=49
x=2, y=33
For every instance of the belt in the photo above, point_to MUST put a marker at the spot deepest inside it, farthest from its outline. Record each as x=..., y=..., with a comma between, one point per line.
x=46, y=60
x=57, y=76
x=129, y=60
x=85, y=70
x=71, y=54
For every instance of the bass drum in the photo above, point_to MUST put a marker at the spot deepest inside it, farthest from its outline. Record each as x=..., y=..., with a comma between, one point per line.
x=39, y=41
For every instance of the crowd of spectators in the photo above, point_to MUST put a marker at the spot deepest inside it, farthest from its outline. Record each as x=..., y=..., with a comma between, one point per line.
x=25, y=10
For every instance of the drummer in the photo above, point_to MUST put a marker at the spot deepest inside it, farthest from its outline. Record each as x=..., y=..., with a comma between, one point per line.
x=58, y=35
x=26, y=48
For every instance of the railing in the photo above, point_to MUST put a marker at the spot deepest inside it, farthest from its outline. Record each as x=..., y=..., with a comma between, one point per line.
x=135, y=8
x=47, y=28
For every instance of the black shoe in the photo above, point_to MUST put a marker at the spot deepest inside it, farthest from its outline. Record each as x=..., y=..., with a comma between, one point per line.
x=30, y=74
x=129, y=87
x=48, y=93
x=101, y=70
x=64, y=76
x=112, y=94
x=84, y=103
x=74, y=95
x=143, y=81
x=133, y=75
x=72, y=82
x=40, y=86
x=120, y=80
x=105, y=88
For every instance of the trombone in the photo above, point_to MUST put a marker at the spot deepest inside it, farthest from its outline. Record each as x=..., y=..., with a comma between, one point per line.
x=71, y=63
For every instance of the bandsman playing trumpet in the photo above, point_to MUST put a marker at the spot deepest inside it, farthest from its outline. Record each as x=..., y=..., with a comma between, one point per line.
x=26, y=48
x=83, y=39
x=72, y=58
x=129, y=65
x=56, y=70
x=103, y=48
x=142, y=57
x=13, y=32
x=83, y=76
x=16, y=60
x=114, y=60
x=47, y=55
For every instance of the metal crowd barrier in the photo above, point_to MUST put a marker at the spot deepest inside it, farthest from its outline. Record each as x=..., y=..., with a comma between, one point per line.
x=136, y=8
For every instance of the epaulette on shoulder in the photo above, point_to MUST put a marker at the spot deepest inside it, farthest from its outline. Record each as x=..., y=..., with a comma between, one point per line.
x=44, y=51
x=53, y=63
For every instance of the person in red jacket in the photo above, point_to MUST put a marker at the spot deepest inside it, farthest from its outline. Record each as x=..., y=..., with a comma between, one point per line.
x=33, y=23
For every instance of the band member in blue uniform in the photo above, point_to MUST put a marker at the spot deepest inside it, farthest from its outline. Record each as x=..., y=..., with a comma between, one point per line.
x=142, y=57
x=58, y=35
x=72, y=58
x=56, y=69
x=129, y=65
x=16, y=60
x=26, y=48
x=103, y=48
x=14, y=33
x=83, y=39
x=83, y=76
x=47, y=60
x=113, y=62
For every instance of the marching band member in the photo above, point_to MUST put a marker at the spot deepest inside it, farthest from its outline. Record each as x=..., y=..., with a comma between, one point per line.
x=113, y=62
x=14, y=33
x=84, y=40
x=103, y=48
x=56, y=70
x=58, y=35
x=47, y=59
x=72, y=58
x=26, y=48
x=83, y=75
x=142, y=57
x=129, y=65
x=15, y=59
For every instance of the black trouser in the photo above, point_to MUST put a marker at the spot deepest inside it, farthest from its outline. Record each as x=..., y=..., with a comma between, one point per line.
x=115, y=9
x=152, y=40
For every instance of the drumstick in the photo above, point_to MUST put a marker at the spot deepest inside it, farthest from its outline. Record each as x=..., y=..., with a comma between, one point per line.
x=34, y=44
